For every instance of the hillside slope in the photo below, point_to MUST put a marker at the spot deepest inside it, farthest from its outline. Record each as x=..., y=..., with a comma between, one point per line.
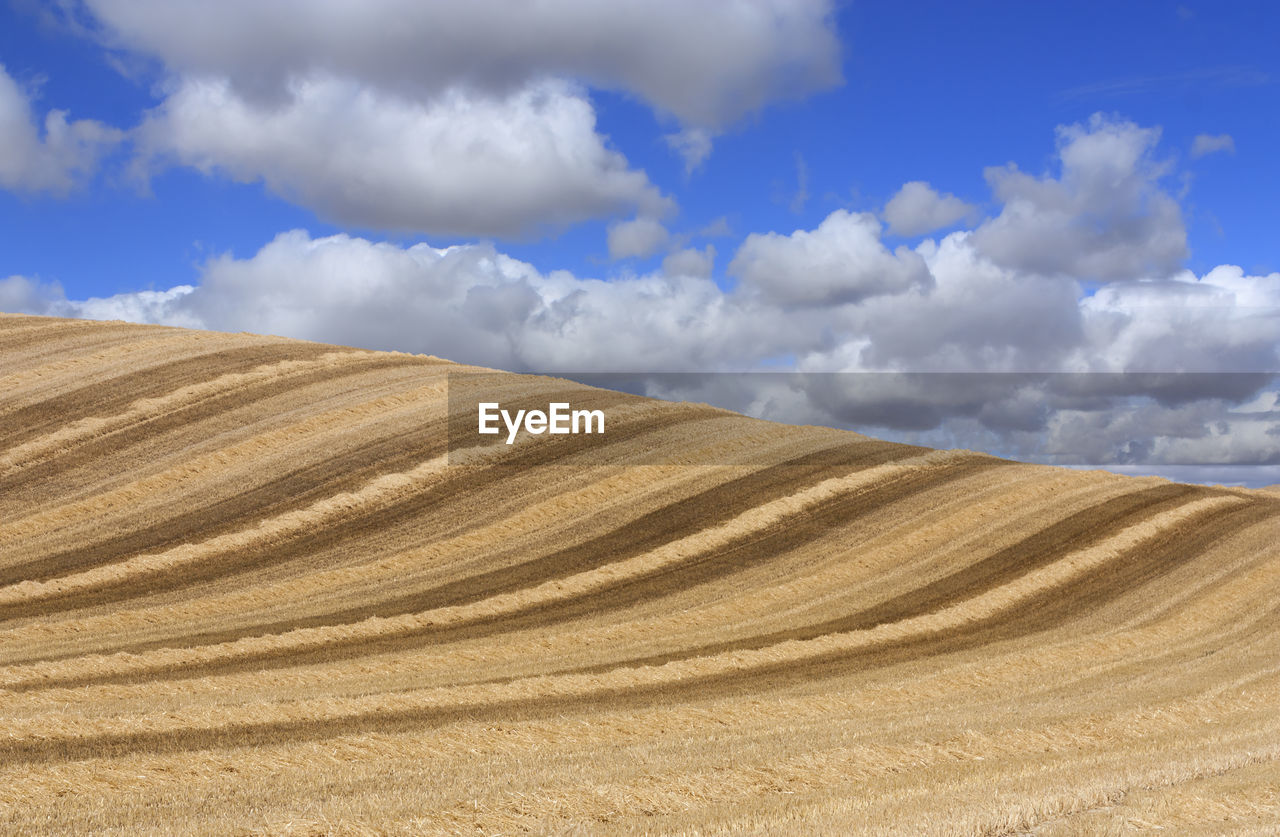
x=245, y=586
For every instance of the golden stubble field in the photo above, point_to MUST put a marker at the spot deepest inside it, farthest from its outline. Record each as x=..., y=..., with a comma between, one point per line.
x=245, y=589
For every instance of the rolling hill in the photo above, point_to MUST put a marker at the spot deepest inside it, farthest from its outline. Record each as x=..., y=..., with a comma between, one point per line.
x=248, y=585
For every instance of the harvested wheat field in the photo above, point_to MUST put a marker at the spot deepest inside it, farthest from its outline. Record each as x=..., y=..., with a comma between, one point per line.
x=245, y=587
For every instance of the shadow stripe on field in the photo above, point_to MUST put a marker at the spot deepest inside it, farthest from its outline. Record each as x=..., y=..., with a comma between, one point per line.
x=1048, y=608
x=750, y=551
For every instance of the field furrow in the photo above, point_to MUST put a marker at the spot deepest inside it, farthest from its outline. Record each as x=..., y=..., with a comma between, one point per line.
x=236, y=572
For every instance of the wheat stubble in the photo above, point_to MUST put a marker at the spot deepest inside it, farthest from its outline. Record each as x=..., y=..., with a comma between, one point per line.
x=245, y=587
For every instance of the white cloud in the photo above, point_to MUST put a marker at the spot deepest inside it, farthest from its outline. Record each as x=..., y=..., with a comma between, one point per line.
x=1153, y=351
x=842, y=261
x=474, y=304
x=138, y=307
x=457, y=118
x=637, y=238
x=708, y=64
x=20, y=294
x=1240, y=442
x=1105, y=218
x=57, y=161
x=458, y=165
x=690, y=262
x=976, y=316
x=470, y=303
x=1205, y=144
x=834, y=298
x=30, y=296
x=693, y=145
x=1223, y=320
x=917, y=209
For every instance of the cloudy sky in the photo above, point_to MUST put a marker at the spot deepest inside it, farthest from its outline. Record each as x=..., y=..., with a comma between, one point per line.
x=1045, y=230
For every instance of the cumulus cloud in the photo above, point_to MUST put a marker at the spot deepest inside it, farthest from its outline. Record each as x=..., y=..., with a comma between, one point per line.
x=455, y=118
x=1223, y=320
x=1105, y=217
x=708, y=64
x=944, y=344
x=976, y=316
x=1205, y=144
x=21, y=294
x=690, y=262
x=456, y=165
x=54, y=160
x=987, y=358
x=842, y=261
x=637, y=238
x=917, y=209
x=470, y=302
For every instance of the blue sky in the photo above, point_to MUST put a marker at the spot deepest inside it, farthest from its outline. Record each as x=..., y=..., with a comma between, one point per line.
x=932, y=91
x=1089, y=176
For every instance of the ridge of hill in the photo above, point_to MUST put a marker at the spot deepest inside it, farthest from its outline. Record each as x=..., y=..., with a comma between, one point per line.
x=247, y=585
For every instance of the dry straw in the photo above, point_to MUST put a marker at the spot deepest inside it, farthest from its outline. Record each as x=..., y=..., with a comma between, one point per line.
x=763, y=629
